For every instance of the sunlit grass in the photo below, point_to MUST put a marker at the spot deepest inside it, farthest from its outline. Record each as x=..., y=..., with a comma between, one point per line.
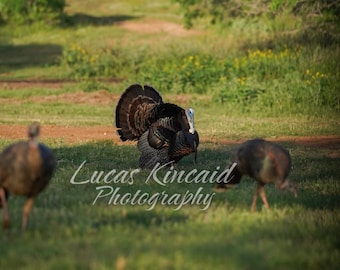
x=213, y=123
x=57, y=113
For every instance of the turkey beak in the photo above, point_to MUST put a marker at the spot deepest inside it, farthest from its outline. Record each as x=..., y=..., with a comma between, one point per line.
x=190, y=116
x=192, y=129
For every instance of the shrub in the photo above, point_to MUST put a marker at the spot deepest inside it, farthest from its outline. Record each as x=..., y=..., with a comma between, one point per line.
x=279, y=81
x=84, y=64
x=23, y=11
x=190, y=73
x=320, y=19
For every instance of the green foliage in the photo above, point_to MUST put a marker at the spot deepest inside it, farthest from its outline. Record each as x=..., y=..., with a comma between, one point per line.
x=274, y=81
x=85, y=64
x=224, y=11
x=278, y=82
x=277, y=6
x=320, y=19
x=23, y=11
x=188, y=73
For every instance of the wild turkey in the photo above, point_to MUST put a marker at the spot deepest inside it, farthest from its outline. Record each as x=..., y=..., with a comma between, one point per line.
x=25, y=169
x=265, y=162
x=165, y=132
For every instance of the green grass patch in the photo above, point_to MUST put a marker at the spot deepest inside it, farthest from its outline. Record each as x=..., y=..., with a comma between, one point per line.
x=57, y=113
x=35, y=92
x=70, y=232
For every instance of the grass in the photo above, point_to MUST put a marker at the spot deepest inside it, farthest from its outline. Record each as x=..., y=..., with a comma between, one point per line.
x=70, y=232
x=239, y=87
x=214, y=123
x=57, y=113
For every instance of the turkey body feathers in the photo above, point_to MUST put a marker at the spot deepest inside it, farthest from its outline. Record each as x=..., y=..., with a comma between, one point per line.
x=25, y=169
x=182, y=143
x=150, y=156
x=265, y=162
x=162, y=129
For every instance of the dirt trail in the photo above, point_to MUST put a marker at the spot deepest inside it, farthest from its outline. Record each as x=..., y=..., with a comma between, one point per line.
x=72, y=134
x=69, y=134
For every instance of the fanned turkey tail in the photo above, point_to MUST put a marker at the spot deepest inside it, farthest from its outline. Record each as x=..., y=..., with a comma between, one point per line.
x=134, y=109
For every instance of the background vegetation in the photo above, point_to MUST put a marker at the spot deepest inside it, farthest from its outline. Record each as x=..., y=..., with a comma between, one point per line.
x=31, y=11
x=260, y=69
x=277, y=56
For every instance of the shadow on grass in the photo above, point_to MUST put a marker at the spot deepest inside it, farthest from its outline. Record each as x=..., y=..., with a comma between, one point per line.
x=136, y=217
x=30, y=55
x=14, y=57
x=81, y=19
x=318, y=188
x=241, y=196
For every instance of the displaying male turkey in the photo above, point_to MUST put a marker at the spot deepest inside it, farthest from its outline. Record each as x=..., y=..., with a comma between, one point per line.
x=264, y=161
x=25, y=169
x=165, y=132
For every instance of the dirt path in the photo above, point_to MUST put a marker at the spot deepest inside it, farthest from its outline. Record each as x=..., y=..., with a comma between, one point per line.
x=72, y=134
x=69, y=134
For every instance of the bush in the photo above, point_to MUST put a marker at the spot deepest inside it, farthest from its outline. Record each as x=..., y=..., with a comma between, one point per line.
x=24, y=11
x=189, y=72
x=320, y=19
x=85, y=64
x=278, y=81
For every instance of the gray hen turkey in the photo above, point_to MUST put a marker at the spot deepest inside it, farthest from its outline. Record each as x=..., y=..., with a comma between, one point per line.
x=165, y=131
x=263, y=161
x=25, y=169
